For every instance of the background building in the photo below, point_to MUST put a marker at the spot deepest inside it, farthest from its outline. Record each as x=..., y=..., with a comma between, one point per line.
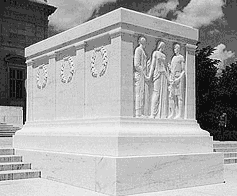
x=22, y=23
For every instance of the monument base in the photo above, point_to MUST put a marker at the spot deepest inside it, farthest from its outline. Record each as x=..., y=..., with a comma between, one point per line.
x=122, y=156
x=128, y=175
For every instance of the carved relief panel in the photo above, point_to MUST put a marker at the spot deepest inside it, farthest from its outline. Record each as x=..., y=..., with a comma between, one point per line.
x=159, y=78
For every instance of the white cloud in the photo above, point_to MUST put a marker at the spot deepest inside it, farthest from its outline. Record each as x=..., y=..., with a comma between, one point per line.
x=223, y=55
x=71, y=13
x=200, y=12
x=162, y=9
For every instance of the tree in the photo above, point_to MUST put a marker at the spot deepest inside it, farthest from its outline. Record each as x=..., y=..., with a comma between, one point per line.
x=215, y=95
x=227, y=94
x=206, y=82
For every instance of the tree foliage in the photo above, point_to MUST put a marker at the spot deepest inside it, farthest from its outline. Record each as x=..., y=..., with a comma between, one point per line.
x=206, y=81
x=215, y=95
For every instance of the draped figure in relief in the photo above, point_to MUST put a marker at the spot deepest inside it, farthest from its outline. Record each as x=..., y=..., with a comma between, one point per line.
x=140, y=61
x=176, y=89
x=159, y=75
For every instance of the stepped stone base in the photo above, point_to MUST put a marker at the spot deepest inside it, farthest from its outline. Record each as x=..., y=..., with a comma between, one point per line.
x=229, y=148
x=19, y=174
x=10, y=158
x=122, y=156
x=131, y=174
x=12, y=167
x=7, y=151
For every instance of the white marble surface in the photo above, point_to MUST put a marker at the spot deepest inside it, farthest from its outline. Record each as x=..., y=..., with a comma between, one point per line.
x=69, y=97
x=112, y=94
x=128, y=175
x=115, y=146
x=136, y=146
x=40, y=186
x=102, y=94
x=120, y=15
x=76, y=170
x=152, y=174
x=126, y=108
x=106, y=175
x=114, y=126
x=43, y=100
x=6, y=142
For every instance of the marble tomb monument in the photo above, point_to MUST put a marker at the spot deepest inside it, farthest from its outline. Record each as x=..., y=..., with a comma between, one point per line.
x=111, y=107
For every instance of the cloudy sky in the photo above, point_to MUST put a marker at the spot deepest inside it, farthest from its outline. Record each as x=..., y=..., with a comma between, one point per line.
x=214, y=18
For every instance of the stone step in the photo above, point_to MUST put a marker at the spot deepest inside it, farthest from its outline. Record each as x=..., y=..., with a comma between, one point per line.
x=19, y=174
x=225, y=149
x=7, y=151
x=10, y=158
x=14, y=166
x=224, y=144
x=231, y=154
x=230, y=160
x=6, y=127
x=3, y=125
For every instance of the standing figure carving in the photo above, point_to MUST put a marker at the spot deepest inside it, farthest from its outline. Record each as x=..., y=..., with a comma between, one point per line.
x=140, y=59
x=159, y=75
x=176, y=89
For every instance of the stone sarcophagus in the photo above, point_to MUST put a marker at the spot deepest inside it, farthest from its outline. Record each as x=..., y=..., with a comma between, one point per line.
x=111, y=107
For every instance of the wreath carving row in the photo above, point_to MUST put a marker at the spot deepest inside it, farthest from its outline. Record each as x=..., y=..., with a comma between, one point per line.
x=68, y=61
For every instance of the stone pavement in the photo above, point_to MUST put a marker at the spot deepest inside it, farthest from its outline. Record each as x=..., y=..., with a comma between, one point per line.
x=44, y=187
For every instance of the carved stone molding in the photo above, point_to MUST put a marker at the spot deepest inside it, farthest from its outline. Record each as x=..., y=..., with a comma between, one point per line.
x=71, y=51
x=52, y=56
x=40, y=61
x=81, y=46
x=97, y=42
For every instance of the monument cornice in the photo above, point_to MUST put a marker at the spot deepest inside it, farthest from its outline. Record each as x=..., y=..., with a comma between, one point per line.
x=122, y=19
x=118, y=32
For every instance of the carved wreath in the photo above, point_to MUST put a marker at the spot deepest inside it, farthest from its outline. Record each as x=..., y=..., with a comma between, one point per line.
x=42, y=83
x=67, y=60
x=94, y=71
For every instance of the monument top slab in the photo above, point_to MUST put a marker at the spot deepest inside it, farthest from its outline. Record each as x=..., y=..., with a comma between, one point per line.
x=119, y=18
